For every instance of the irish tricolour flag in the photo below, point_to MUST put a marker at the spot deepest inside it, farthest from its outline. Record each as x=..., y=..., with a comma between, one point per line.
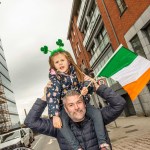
x=129, y=69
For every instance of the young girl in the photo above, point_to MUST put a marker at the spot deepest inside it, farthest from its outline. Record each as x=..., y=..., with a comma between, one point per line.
x=65, y=75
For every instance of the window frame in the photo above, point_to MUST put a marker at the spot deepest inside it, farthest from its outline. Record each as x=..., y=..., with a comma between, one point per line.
x=123, y=4
x=136, y=37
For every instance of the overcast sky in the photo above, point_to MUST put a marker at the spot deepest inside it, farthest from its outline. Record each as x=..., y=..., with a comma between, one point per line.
x=25, y=26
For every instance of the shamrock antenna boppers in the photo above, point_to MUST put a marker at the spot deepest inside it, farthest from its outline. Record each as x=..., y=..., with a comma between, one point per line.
x=60, y=43
x=52, y=52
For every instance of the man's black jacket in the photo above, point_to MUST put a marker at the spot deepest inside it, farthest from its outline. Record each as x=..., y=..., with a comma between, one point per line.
x=84, y=131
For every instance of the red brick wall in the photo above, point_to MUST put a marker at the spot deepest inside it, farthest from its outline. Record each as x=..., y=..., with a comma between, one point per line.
x=78, y=39
x=121, y=23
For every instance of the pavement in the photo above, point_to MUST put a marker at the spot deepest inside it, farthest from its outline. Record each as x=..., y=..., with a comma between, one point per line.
x=130, y=133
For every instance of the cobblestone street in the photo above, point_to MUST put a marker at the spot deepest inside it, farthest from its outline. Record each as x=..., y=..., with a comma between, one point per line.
x=130, y=133
x=137, y=143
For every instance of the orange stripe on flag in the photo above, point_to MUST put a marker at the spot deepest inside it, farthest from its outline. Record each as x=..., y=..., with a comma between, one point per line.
x=134, y=88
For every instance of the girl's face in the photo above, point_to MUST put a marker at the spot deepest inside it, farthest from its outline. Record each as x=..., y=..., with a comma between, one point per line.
x=61, y=63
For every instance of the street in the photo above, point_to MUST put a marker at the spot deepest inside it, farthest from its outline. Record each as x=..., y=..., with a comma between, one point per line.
x=43, y=142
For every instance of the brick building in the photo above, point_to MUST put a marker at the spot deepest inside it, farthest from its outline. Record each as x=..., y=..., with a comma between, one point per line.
x=98, y=27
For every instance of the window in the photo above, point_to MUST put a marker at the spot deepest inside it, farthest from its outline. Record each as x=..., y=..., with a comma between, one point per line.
x=91, y=12
x=101, y=35
x=85, y=27
x=121, y=5
x=3, y=61
x=102, y=62
x=147, y=31
x=102, y=38
x=104, y=58
x=137, y=46
x=4, y=70
x=9, y=94
x=12, y=107
x=92, y=49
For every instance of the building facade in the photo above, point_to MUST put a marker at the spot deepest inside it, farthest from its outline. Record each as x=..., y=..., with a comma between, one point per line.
x=9, y=117
x=101, y=26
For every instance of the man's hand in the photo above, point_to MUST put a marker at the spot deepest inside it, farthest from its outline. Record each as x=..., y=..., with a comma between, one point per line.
x=96, y=85
x=57, y=122
x=84, y=91
x=45, y=90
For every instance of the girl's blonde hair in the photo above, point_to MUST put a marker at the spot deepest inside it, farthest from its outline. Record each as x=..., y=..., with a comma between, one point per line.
x=80, y=74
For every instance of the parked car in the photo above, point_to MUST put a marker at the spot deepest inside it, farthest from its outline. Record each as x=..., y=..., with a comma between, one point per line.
x=14, y=139
x=30, y=133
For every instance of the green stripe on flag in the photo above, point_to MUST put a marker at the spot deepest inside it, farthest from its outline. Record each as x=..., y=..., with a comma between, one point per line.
x=122, y=58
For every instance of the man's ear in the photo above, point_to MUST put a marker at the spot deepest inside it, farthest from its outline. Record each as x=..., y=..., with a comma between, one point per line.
x=65, y=109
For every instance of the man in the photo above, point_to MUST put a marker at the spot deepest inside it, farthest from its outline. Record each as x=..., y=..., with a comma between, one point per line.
x=81, y=125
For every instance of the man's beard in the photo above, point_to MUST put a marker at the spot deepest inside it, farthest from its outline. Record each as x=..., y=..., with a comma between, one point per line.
x=74, y=116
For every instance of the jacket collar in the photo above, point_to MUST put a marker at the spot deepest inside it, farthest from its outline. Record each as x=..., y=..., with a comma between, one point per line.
x=79, y=124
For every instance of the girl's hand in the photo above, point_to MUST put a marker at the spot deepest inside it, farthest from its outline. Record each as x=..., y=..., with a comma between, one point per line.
x=84, y=91
x=57, y=122
x=45, y=90
x=87, y=78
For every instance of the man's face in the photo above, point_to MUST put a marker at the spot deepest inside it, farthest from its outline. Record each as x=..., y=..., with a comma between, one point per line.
x=75, y=108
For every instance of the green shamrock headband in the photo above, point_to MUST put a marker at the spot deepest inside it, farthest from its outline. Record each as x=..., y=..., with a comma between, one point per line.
x=52, y=52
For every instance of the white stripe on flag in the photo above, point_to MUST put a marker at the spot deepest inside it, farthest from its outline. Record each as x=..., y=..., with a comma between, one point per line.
x=132, y=72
